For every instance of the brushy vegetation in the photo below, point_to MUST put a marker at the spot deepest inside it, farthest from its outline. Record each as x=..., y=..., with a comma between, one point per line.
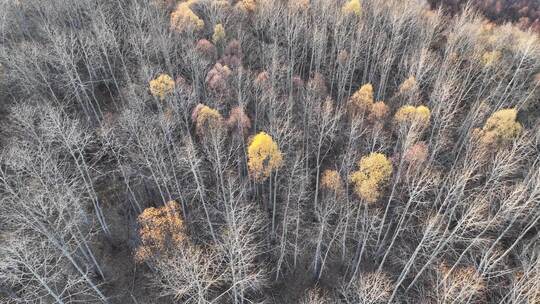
x=261, y=151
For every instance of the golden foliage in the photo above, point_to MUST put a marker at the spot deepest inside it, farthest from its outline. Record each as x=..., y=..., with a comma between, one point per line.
x=248, y=6
x=362, y=100
x=206, y=119
x=264, y=156
x=409, y=85
x=352, y=7
x=378, y=112
x=219, y=33
x=160, y=229
x=330, y=180
x=501, y=127
x=413, y=115
x=490, y=58
x=162, y=86
x=487, y=28
x=299, y=5
x=183, y=18
x=373, y=173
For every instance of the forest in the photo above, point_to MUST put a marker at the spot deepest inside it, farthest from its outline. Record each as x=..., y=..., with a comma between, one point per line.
x=269, y=151
x=526, y=13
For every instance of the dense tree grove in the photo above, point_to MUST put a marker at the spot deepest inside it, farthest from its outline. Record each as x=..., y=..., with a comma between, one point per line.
x=266, y=151
x=526, y=13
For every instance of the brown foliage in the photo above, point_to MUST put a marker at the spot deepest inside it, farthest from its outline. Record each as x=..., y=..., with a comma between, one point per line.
x=206, y=49
x=238, y=120
x=217, y=77
x=416, y=154
x=343, y=57
x=298, y=82
x=232, y=55
x=262, y=79
x=317, y=84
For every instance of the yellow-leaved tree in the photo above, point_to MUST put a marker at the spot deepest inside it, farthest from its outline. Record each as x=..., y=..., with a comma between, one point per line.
x=184, y=19
x=362, y=100
x=264, y=156
x=501, y=127
x=206, y=119
x=362, y=103
x=219, y=33
x=160, y=229
x=298, y=5
x=408, y=114
x=331, y=181
x=378, y=112
x=352, y=7
x=491, y=58
x=162, y=86
x=374, y=171
x=408, y=85
x=248, y=6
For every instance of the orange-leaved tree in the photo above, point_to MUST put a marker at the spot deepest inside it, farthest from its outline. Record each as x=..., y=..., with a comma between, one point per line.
x=264, y=156
x=373, y=173
x=160, y=229
x=162, y=86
